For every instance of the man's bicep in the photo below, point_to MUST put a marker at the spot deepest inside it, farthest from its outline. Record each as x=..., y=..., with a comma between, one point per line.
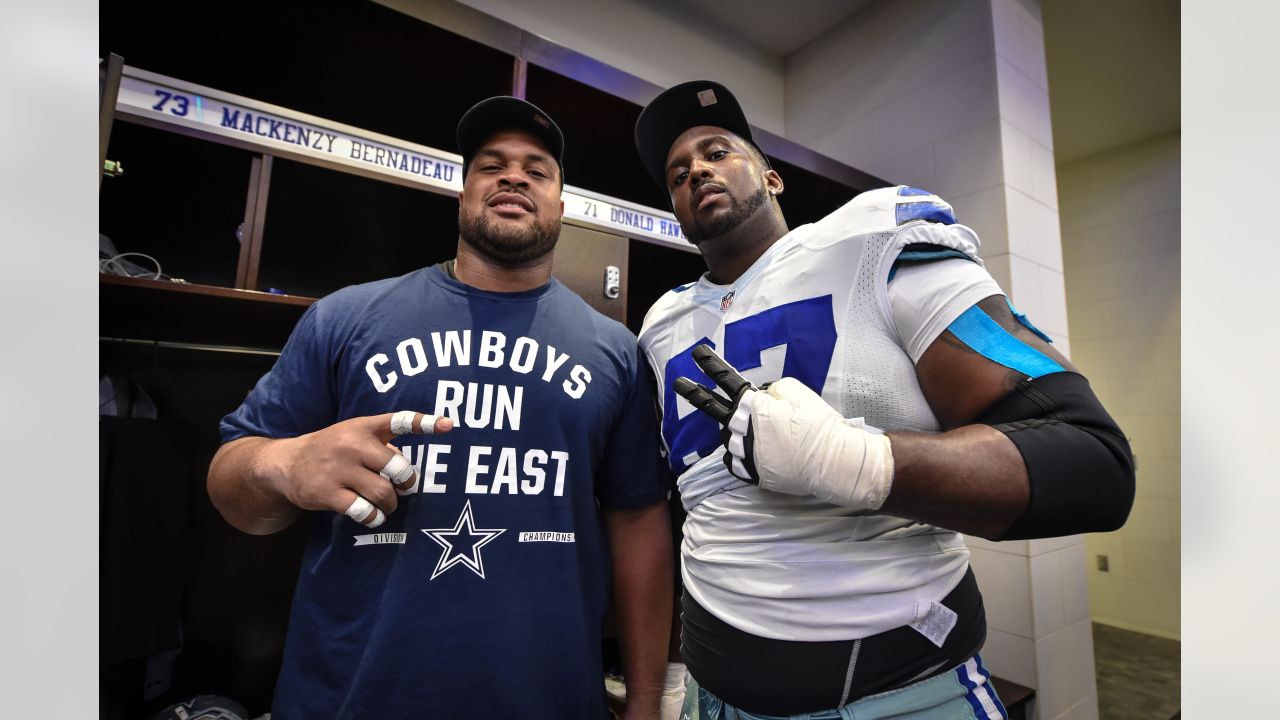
x=979, y=359
x=295, y=396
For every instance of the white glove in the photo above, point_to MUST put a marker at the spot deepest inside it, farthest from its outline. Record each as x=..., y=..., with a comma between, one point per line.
x=787, y=439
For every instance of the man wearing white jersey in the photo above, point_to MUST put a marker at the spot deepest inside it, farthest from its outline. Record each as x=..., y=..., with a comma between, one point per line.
x=823, y=563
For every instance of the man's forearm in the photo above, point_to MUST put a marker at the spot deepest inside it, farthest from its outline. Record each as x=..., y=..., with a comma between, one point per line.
x=241, y=487
x=642, y=590
x=971, y=480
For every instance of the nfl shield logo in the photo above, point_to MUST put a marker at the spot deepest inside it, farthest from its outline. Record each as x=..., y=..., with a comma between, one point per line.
x=726, y=301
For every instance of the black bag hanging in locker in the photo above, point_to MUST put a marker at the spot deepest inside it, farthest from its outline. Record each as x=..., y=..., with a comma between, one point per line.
x=142, y=468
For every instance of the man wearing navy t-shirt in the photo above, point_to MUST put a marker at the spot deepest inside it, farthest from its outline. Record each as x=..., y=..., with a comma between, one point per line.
x=473, y=450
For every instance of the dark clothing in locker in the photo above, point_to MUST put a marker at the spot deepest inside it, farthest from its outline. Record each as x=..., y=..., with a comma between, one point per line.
x=142, y=471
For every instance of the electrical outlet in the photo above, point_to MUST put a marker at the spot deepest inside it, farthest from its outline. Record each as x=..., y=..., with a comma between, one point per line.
x=1103, y=564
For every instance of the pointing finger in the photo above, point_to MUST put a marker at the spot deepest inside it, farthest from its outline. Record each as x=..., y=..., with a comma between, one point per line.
x=408, y=422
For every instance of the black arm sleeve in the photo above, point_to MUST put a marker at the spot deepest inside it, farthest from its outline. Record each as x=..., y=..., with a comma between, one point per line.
x=1079, y=462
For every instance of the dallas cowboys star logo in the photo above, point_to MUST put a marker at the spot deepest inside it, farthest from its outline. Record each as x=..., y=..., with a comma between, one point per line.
x=462, y=543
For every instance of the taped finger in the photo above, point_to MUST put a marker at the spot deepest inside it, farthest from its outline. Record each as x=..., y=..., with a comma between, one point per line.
x=363, y=512
x=428, y=424
x=401, y=473
x=406, y=422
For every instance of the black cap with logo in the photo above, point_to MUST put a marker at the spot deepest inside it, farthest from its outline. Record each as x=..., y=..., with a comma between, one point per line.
x=700, y=102
x=506, y=113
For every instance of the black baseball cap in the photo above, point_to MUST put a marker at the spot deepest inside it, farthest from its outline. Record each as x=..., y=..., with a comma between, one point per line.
x=507, y=113
x=700, y=102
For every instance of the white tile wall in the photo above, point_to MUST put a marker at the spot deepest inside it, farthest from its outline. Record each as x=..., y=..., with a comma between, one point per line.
x=873, y=140
x=1044, y=545
x=968, y=161
x=855, y=41
x=1064, y=661
x=1024, y=103
x=1010, y=656
x=1060, y=597
x=1053, y=302
x=999, y=267
x=1086, y=709
x=1005, y=582
x=658, y=42
x=884, y=38
x=1075, y=588
x=1028, y=165
x=1025, y=290
x=1008, y=547
x=984, y=211
x=1048, y=614
x=1034, y=232
x=1019, y=37
x=1062, y=343
x=916, y=167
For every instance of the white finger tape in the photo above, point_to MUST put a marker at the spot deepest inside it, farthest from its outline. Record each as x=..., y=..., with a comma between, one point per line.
x=398, y=469
x=429, y=424
x=402, y=422
x=359, y=509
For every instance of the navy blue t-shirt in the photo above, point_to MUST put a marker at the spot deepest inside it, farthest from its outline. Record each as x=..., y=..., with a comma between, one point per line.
x=482, y=595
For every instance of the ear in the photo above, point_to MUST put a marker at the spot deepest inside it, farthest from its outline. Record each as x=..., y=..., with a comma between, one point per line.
x=459, y=197
x=773, y=182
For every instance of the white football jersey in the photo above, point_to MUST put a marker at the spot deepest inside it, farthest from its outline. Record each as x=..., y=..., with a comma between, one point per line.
x=814, y=307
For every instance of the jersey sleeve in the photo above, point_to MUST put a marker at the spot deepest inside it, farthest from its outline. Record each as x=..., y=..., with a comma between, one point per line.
x=927, y=297
x=296, y=396
x=633, y=473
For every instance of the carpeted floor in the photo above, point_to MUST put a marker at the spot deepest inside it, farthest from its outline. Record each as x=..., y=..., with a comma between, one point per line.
x=1139, y=676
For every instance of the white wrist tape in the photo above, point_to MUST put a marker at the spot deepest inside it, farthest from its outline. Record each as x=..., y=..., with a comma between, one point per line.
x=804, y=447
x=359, y=510
x=673, y=692
x=400, y=471
x=676, y=676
